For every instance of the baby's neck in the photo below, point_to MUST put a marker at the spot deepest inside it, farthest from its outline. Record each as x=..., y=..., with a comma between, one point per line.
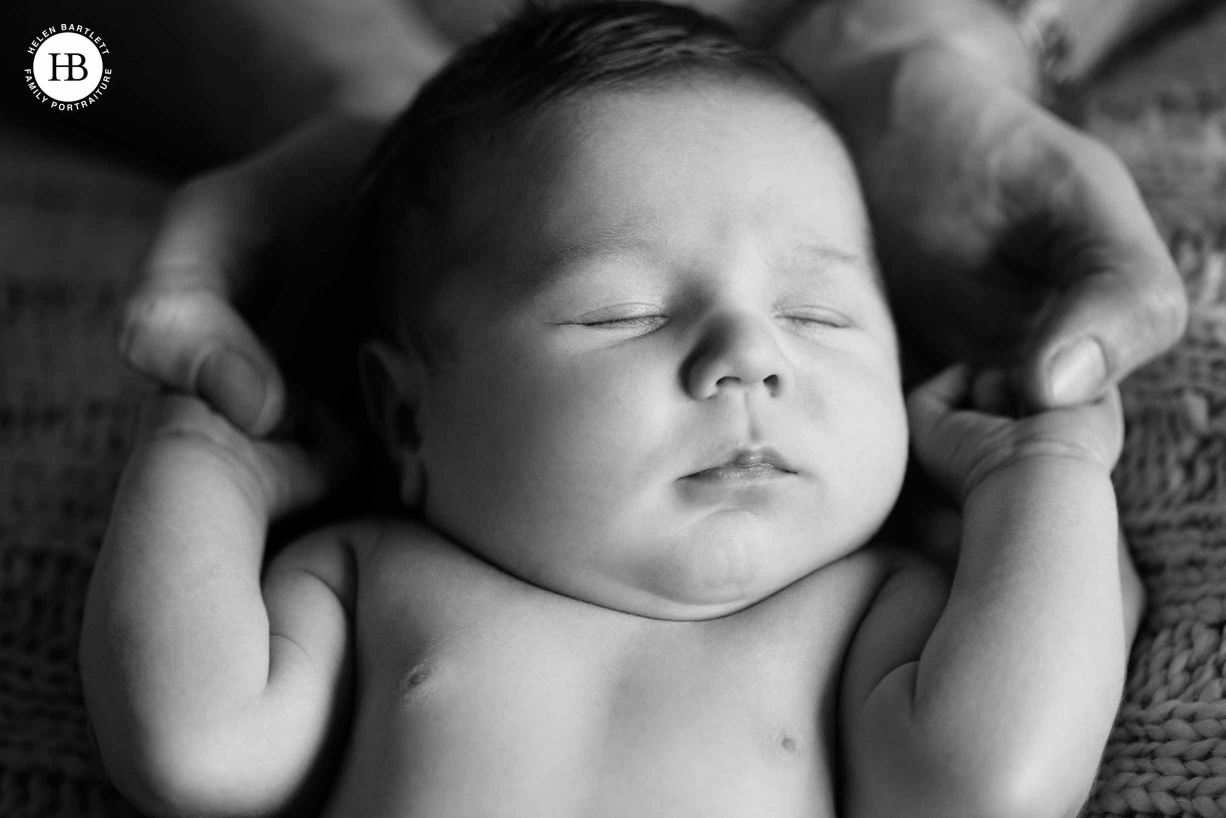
x=658, y=598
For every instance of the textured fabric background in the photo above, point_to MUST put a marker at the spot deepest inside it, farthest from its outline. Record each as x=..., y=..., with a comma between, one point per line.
x=73, y=223
x=1164, y=110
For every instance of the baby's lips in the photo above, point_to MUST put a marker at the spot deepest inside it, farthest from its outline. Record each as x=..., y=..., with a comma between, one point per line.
x=746, y=457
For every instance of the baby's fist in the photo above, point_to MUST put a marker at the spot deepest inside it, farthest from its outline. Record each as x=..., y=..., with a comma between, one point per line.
x=964, y=428
x=278, y=476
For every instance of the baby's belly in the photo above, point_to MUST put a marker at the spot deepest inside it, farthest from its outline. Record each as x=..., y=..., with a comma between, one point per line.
x=523, y=724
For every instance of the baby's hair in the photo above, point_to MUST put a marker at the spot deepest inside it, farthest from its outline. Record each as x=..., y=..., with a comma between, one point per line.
x=541, y=56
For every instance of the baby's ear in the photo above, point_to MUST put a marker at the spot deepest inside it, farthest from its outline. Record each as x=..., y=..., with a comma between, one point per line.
x=394, y=382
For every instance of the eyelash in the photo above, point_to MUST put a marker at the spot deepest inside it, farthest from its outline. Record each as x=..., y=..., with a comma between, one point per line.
x=827, y=320
x=831, y=321
x=630, y=322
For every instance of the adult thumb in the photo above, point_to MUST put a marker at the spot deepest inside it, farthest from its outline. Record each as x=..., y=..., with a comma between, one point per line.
x=195, y=342
x=1117, y=299
x=1102, y=325
x=180, y=327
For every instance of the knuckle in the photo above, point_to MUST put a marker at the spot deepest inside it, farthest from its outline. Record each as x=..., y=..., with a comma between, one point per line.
x=1095, y=159
x=1161, y=312
x=154, y=329
x=137, y=328
x=1168, y=308
x=1083, y=156
x=148, y=318
x=1086, y=167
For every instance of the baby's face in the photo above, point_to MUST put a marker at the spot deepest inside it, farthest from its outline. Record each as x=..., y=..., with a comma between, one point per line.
x=674, y=385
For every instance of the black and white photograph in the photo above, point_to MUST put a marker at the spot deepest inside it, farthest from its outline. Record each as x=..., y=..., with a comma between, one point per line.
x=613, y=409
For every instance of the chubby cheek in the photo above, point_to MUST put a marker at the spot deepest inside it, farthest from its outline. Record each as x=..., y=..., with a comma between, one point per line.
x=872, y=445
x=543, y=450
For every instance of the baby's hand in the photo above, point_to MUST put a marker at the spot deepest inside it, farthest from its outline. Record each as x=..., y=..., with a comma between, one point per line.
x=278, y=476
x=964, y=429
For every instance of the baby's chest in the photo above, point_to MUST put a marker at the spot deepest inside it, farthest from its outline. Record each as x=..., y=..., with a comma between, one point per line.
x=609, y=681
x=542, y=694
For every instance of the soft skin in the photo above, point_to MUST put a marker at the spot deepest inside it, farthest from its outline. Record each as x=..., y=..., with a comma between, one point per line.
x=716, y=298
x=910, y=75
x=781, y=666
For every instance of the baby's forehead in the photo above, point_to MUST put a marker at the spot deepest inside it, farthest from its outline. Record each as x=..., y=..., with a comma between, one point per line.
x=558, y=199
x=588, y=153
x=556, y=126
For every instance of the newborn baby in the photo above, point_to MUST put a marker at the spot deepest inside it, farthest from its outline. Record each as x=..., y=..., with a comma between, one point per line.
x=641, y=387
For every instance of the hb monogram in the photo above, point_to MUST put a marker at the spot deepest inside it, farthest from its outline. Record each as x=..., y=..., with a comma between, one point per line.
x=71, y=65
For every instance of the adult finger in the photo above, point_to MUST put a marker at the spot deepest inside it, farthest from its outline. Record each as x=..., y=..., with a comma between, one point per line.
x=1120, y=300
x=179, y=326
x=211, y=230
x=195, y=342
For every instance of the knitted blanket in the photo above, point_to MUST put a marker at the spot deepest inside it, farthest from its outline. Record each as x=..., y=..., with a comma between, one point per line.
x=73, y=222
x=1164, y=111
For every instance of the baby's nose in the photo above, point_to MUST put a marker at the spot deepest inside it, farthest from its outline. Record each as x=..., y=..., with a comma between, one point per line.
x=736, y=351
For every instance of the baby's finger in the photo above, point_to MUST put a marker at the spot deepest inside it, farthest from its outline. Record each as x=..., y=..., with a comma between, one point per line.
x=164, y=411
x=301, y=478
x=946, y=434
x=1108, y=415
x=930, y=405
x=942, y=393
x=992, y=393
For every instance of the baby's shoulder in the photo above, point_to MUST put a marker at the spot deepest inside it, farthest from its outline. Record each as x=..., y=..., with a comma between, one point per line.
x=373, y=544
x=365, y=547
x=899, y=617
x=836, y=598
x=860, y=575
x=907, y=571
x=895, y=578
x=398, y=558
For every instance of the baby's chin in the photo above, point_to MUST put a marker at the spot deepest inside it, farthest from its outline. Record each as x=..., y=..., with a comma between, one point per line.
x=725, y=574
x=694, y=578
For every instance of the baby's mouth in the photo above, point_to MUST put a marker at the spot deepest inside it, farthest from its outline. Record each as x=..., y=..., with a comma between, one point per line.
x=746, y=464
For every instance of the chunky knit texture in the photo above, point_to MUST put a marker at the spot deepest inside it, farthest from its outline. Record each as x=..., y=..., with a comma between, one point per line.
x=1164, y=110
x=71, y=227
x=73, y=224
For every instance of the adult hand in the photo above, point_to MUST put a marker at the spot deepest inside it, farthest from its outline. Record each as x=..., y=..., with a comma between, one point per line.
x=964, y=431
x=1008, y=237
x=263, y=234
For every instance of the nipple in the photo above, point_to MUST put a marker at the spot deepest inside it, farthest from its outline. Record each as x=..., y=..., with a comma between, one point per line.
x=412, y=680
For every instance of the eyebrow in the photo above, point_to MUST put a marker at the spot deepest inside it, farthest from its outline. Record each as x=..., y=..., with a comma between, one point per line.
x=825, y=255
x=621, y=242
x=626, y=243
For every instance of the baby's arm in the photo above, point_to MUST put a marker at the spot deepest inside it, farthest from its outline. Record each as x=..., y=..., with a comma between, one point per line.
x=213, y=691
x=996, y=701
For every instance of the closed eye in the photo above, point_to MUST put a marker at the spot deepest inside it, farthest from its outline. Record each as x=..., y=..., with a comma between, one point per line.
x=631, y=322
x=816, y=317
x=641, y=317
